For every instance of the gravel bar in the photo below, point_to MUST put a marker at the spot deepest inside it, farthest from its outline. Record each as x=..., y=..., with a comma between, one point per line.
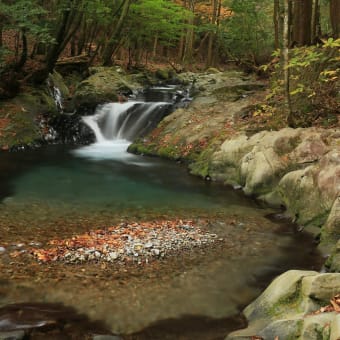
x=127, y=242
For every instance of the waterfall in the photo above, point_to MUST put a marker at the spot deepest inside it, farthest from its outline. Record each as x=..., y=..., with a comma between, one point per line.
x=56, y=95
x=124, y=121
x=116, y=125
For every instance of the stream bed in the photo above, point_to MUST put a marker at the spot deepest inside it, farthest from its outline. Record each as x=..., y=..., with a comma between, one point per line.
x=189, y=289
x=56, y=192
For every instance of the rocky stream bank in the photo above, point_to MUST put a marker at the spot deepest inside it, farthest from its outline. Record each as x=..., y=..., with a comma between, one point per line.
x=298, y=169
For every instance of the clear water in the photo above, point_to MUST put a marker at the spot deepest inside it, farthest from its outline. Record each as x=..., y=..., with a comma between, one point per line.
x=58, y=191
x=104, y=175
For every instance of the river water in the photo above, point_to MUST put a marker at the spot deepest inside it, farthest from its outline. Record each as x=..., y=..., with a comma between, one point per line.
x=60, y=191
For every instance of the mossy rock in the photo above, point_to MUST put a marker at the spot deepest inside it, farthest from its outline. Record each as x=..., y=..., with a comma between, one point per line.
x=213, y=70
x=139, y=148
x=20, y=115
x=57, y=80
x=164, y=74
x=18, y=126
x=104, y=85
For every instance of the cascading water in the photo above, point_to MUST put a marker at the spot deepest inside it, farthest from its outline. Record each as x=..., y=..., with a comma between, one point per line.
x=116, y=125
x=56, y=95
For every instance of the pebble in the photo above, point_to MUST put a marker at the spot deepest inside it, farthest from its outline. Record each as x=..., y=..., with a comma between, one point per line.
x=155, y=252
x=113, y=255
x=2, y=250
x=138, y=243
x=148, y=245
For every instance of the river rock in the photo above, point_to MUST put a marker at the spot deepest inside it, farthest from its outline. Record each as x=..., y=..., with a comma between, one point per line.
x=104, y=84
x=333, y=262
x=285, y=309
x=260, y=169
x=107, y=337
x=297, y=168
x=300, y=196
x=12, y=335
x=258, y=160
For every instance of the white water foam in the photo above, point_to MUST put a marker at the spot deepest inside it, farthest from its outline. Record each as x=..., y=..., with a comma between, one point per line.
x=115, y=125
x=115, y=150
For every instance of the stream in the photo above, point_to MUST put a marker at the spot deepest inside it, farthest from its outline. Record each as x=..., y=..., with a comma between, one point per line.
x=59, y=191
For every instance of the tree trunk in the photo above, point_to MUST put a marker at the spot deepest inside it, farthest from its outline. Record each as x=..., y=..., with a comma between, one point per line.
x=53, y=53
x=302, y=18
x=277, y=23
x=23, y=58
x=115, y=37
x=155, y=45
x=1, y=29
x=335, y=17
x=212, y=34
x=181, y=48
x=82, y=38
x=189, y=38
x=285, y=58
x=315, y=21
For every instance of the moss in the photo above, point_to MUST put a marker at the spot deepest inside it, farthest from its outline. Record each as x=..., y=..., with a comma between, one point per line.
x=287, y=303
x=285, y=148
x=201, y=166
x=163, y=74
x=141, y=149
x=58, y=81
x=213, y=70
x=20, y=127
x=233, y=93
x=319, y=220
x=169, y=151
x=297, y=333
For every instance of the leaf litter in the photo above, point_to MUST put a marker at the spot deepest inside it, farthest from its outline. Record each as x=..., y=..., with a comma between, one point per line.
x=126, y=242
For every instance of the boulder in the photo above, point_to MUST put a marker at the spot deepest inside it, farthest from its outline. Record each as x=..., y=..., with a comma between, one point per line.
x=285, y=309
x=332, y=227
x=300, y=196
x=297, y=168
x=103, y=85
x=259, y=160
x=260, y=170
x=333, y=262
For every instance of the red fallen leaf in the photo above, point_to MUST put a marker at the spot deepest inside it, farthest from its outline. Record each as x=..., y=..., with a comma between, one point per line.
x=335, y=302
x=15, y=254
x=333, y=307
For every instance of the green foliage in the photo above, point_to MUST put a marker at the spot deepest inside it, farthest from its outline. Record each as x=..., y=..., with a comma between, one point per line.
x=156, y=18
x=314, y=84
x=25, y=15
x=248, y=33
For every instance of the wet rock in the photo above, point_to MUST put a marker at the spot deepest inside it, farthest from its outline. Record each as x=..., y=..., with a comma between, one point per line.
x=107, y=337
x=13, y=335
